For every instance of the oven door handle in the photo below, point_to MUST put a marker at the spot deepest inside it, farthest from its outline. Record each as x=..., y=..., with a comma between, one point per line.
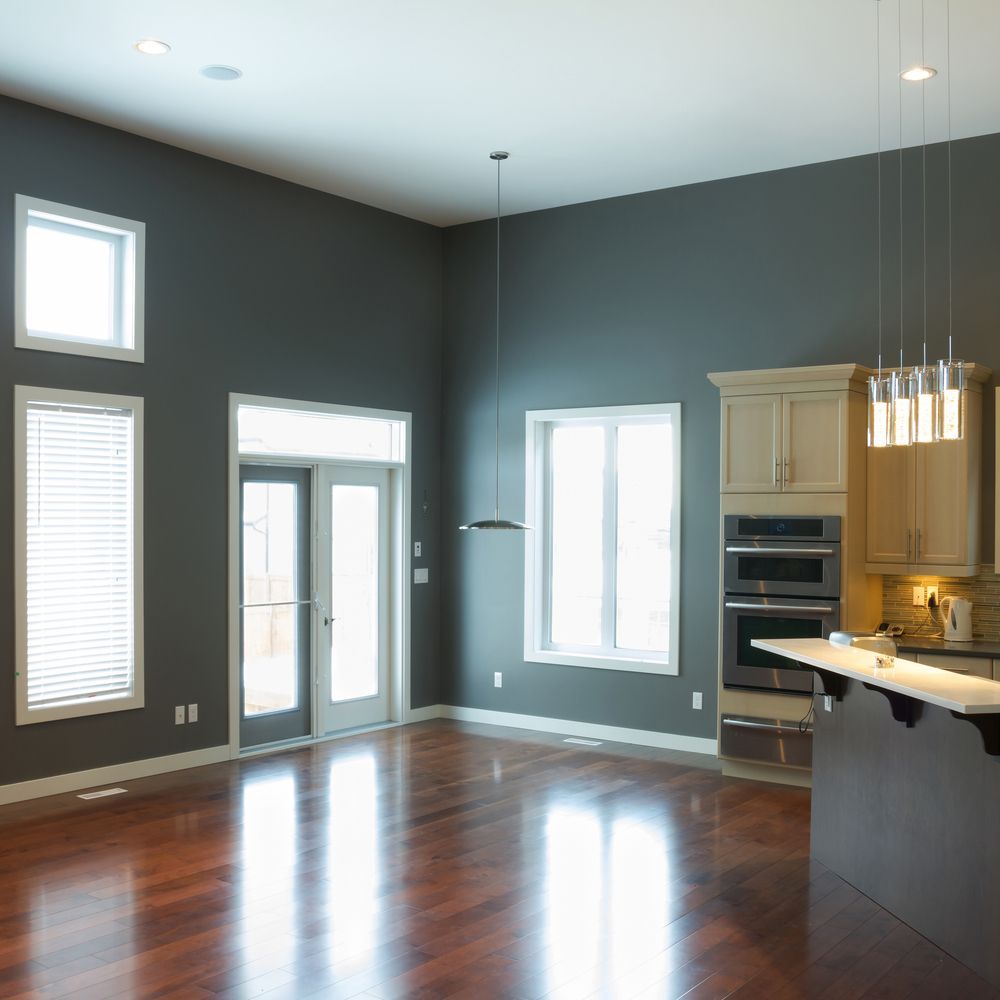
x=769, y=608
x=769, y=726
x=738, y=550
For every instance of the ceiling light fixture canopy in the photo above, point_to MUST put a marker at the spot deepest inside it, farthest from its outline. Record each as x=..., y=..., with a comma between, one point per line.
x=497, y=523
x=151, y=47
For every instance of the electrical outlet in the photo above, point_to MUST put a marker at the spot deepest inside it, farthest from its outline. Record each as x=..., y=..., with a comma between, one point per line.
x=696, y=699
x=932, y=596
x=498, y=680
x=179, y=715
x=417, y=549
x=193, y=712
x=918, y=597
x=828, y=702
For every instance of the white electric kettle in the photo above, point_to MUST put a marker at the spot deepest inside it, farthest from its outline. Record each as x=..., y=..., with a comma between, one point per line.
x=956, y=617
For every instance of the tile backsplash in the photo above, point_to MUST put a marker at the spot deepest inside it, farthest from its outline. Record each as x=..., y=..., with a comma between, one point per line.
x=983, y=591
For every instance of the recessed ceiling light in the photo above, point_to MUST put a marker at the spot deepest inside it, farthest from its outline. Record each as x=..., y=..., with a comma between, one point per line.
x=151, y=47
x=918, y=73
x=221, y=72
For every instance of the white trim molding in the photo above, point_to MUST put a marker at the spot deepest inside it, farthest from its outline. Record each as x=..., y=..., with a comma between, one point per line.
x=58, y=784
x=591, y=730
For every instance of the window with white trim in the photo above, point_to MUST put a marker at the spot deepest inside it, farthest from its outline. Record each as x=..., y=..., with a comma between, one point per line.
x=78, y=553
x=602, y=567
x=78, y=281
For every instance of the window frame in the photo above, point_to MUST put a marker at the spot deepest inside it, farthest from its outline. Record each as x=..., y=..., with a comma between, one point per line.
x=23, y=396
x=538, y=425
x=126, y=234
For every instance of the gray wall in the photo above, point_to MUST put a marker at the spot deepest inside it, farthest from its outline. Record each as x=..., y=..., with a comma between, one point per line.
x=252, y=285
x=634, y=300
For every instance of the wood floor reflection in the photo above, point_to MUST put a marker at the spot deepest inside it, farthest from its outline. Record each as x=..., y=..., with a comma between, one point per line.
x=444, y=860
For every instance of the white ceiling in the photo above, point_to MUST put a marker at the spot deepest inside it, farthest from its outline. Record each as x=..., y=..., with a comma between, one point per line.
x=397, y=103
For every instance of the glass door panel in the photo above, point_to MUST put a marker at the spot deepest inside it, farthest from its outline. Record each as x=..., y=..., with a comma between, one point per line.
x=275, y=608
x=354, y=590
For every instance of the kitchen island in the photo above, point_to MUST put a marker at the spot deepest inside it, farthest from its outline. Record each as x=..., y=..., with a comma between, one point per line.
x=906, y=792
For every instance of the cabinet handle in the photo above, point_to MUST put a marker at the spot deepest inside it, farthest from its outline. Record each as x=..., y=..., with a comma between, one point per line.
x=916, y=554
x=777, y=462
x=785, y=481
x=909, y=532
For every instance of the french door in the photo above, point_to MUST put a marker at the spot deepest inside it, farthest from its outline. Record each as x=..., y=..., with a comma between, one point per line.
x=275, y=604
x=352, y=597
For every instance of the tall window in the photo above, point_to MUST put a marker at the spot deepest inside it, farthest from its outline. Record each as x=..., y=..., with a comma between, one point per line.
x=78, y=529
x=603, y=565
x=78, y=280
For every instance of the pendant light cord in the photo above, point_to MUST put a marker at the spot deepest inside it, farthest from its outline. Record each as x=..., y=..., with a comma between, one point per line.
x=948, y=44
x=878, y=184
x=497, y=504
x=923, y=165
x=899, y=55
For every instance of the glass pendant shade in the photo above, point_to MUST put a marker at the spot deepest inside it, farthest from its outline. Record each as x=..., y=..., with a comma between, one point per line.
x=879, y=406
x=924, y=383
x=951, y=400
x=900, y=409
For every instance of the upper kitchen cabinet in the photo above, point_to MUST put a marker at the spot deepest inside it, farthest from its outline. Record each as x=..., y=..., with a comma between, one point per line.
x=788, y=430
x=924, y=510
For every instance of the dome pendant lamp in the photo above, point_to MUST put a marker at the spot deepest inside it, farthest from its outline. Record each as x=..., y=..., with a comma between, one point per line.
x=497, y=523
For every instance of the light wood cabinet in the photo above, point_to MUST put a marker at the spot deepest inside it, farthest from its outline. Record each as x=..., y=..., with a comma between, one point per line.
x=793, y=442
x=974, y=666
x=924, y=501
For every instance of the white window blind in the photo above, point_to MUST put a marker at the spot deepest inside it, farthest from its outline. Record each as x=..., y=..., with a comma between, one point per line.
x=79, y=553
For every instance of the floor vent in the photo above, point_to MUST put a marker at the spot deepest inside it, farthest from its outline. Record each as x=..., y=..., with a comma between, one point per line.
x=102, y=793
x=583, y=742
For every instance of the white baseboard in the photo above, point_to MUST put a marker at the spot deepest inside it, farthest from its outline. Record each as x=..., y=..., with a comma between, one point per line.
x=590, y=730
x=74, y=781
x=423, y=714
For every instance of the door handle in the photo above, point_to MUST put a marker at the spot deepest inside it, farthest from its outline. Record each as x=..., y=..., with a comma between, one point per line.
x=769, y=609
x=749, y=550
x=321, y=609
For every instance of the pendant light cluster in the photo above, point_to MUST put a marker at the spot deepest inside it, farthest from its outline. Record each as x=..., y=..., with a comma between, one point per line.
x=924, y=403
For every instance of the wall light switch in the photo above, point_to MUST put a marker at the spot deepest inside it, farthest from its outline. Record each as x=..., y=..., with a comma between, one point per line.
x=417, y=549
x=498, y=680
x=828, y=702
x=918, y=597
x=193, y=712
x=421, y=575
x=179, y=715
x=696, y=699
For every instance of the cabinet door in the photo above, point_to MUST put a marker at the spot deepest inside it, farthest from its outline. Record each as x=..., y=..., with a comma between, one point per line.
x=814, y=442
x=974, y=666
x=890, y=506
x=750, y=438
x=942, y=503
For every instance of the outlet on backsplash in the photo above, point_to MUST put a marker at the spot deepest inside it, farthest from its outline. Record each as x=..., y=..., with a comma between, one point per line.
x=983, y=591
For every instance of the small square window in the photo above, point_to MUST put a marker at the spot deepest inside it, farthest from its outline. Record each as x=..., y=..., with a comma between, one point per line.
x=79, y=281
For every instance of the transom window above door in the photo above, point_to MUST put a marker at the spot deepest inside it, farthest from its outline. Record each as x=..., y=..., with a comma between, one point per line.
x=602, y=570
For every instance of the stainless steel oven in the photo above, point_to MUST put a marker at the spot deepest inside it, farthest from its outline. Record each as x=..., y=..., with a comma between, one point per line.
x=748, y=617
x=792, y=556
x=781, y=580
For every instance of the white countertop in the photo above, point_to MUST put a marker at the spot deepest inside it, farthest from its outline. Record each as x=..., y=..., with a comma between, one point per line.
x=956, y=692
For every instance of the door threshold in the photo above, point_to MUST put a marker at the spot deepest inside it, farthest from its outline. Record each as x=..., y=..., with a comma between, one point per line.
x=308, y=741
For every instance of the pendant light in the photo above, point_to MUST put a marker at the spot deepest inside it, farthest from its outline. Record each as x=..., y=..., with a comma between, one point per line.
x=879, y=432
x=496, y=522
x=951, y=373
x=924, y=377
x=900, y=385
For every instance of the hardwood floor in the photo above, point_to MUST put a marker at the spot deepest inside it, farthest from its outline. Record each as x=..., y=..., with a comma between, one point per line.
x=445, y=860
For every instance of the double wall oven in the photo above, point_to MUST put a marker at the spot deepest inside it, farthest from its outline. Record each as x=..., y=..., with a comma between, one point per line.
x=781, y=580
